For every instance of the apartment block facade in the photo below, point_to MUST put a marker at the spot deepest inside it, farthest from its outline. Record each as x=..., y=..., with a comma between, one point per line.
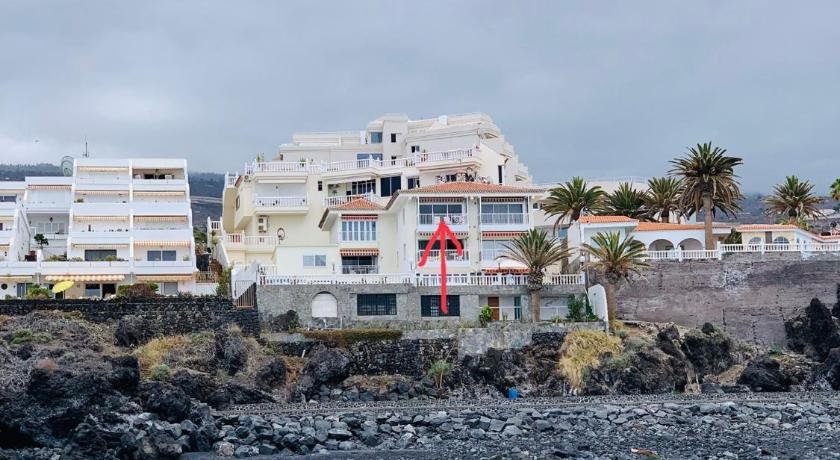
x=112, y=222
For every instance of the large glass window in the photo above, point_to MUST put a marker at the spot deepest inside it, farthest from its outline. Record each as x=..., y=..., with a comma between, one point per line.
x=376, y=137
x=362, y=187
x=503, y=213
x=430, y=306
x=315, y=260
x=389, y=185
x=493, y=249
x=168, y=288
x=358, y=230
x=95, y=255
x=158, y=255
x=376, y=304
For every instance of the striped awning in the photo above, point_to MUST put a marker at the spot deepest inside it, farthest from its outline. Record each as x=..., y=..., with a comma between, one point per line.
x=359, y=252
x=164, y=278
x=102, y=168
x=505, y=270
x=358, y=217
x=163, y=243
x=502, y=200
x=101, y=246
x=150, y=193
x=50, y=187
x=501, y=234
x=15, y=279
x=441, y=200
x=85, y=278
x=429, y=234
x=99, y=218
x=160, y=218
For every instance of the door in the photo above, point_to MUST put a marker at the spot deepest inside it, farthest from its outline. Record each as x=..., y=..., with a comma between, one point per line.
x=493, y=302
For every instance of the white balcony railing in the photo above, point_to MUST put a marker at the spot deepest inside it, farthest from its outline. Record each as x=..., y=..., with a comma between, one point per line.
x=450, y=219
x=273, y=275
x=359, y=269
x=241, y=239
x=446, y=155
x=280, y=202
x=332, y=201
x=450, y=254
x=504, y=219
x=299, y=167
x=49, y=228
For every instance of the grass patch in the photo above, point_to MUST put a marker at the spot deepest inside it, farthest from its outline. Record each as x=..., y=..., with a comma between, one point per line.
x=160, y=372
x=156, y=351
x=22, y=336
x=345, y=337
x=583, y=350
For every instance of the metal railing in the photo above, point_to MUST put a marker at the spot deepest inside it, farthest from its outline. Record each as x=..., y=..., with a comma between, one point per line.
x=445, y=155
x=782, y=247
x=359, y=269
x=450, y=219
x=509, y=313
x=49, y=228
x=679, y=254
x=339, y=200
x=504, y=219
x=280, y=202
x=553, y=312
x=240, y=238
x=273, y=275
x=450, y=254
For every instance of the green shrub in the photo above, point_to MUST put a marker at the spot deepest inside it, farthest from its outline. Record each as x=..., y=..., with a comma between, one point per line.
x=345, y=337
x=22, y=336
x=160, y=372
x=223, y=288
x=775, y=349
x=576, y=307
x=57, y=258
x=583, y=350
x=485, y=316
x=38, y=292
x=137, y=290
x=439, y=370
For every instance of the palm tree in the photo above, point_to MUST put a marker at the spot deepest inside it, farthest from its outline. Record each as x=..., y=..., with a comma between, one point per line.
x=626, y=201
x=709, y=183
x=614, y=259
x=793, y=198
x=835, y=190
x=663, y=197
x=572, y=199
x=536, y=251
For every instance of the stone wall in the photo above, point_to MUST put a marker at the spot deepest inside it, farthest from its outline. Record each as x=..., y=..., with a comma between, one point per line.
x=276, y=300
x=166, y=315
x=748, y=295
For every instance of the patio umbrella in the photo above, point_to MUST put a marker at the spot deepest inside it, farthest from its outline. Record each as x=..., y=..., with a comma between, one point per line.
x=62, y=286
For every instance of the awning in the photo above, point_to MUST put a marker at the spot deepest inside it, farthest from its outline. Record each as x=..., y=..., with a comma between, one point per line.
x=505, y=270
x=170, y=243
x=501, y=234
x=160, y=218
x=429, y=234
x=164, y=278
x=15, y=279
x=99, y=218
x=358, y=217
x=441, y=200
x=102, y=168
x=171, y=193
x=50, y=187
x=103, y=192
x=86, y=278
x=101, y=246
x=359, y=252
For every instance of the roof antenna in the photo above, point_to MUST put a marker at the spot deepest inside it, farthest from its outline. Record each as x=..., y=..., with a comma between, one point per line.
x=86, y=154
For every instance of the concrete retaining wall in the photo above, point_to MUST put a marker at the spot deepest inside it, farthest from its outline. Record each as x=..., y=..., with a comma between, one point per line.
x=748, y=295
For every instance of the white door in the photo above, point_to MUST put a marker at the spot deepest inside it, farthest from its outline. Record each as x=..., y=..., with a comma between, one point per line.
x=324, y=305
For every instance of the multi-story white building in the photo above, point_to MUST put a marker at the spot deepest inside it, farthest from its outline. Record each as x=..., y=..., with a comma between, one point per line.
x=114, y=221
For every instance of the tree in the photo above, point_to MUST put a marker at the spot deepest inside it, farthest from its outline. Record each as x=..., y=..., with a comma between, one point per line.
x=835, y=190
x=41, y=240
x=573, y=199
x=709, y=184
x=536, y=251
x=793, y=198
x=663, y=197
x=614, y=259
x=626, y=201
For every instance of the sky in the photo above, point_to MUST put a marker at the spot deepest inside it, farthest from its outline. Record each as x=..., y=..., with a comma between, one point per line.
x=592, y=88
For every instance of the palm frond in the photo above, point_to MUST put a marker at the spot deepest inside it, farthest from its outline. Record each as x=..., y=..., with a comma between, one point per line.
x=573, y=199
x=793, y=198
x=615, y=258
x=707, y=171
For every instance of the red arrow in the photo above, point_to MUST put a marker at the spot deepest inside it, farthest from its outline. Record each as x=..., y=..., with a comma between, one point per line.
x=441, y=234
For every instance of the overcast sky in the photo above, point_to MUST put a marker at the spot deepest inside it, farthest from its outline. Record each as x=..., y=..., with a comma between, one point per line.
x=578, y=87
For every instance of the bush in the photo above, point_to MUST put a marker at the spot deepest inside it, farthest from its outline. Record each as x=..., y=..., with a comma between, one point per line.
x=580, y=310
x=345, y=337
x=583, y=350
x=160, y=372
x=485, y=316
x=38, y=292
x=22, y=336
x=57, y=258
x=137, y=291
x=156, y=351
x=223, y=288
x=439, y=370
x=775, y=350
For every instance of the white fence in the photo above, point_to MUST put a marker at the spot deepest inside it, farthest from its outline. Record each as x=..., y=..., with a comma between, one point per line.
x=271, y=275
x=702, y=254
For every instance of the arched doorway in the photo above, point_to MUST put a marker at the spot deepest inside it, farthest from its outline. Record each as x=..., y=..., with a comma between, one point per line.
x=661, y=245
x=690, y=244
x=324, y=305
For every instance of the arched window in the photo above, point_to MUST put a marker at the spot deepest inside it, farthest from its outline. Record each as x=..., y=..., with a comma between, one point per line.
x=780, y=240
x=324, y=305
x=755, y=241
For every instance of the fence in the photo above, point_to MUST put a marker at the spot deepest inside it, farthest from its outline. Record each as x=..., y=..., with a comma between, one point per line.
x=270, y=275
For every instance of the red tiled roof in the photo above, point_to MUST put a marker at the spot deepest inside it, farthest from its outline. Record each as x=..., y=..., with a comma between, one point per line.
x=655, y=226
x=605, y=219
x=359, y=203
x=471, y=187
x=762, y=227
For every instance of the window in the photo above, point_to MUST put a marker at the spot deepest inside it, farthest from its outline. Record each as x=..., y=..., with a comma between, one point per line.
x=376, y=137
x=94, y=255
x=362, y=187
x=168, y=288
x=430, y=306
x=442, y=208
x=22, y=289
x=316, y=260
x=413, y=182
x=159, y=255
x=237, y=202
x=376, y=304
x=389, y=185
x=756, y=240
x=93, y=290
x=320, y=186
x=501, y=174
x=393, y=138
x=415, y=149
x=358, y=230
x=491, y=250
x=780, y=240
x=451, y=177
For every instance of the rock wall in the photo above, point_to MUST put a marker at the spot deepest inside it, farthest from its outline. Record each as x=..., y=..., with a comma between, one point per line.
x=748, y=295
x=165, y=315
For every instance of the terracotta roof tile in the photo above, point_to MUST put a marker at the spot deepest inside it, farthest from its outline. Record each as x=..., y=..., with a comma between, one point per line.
x=761, y=227
x=472, y=187
x=656, y=226
x=359, y=203
x=605, y=219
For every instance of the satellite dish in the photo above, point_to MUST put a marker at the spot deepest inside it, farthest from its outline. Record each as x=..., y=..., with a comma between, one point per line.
x=67, y=165
x=281, y=234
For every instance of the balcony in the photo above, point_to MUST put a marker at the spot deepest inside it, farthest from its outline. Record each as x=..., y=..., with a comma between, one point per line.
x=504, y=221
x=455, y=221
x=445, y=158
x=281, y=204
x=58, y=205
x=49, y=228
x=450, y=254
x=163, y=267
x=285, y=168
x=359, y=269
x=338, y=200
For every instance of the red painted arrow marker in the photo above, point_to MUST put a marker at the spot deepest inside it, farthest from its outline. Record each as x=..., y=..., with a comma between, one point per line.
x=441, y=234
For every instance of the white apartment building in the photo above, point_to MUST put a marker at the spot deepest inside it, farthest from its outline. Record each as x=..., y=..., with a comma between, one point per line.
x=114, y=221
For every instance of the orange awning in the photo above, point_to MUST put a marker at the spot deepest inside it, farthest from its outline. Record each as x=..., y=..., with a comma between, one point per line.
x=85, y=278
x=501, y=234
x=163, y=243
x=359, y=252
x=164, y=278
